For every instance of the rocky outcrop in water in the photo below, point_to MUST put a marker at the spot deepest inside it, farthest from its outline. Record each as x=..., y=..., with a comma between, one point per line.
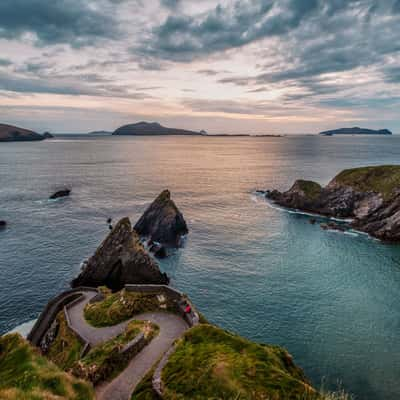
x=3, y=224
x=60, y=193
x=370, y=196
x=162, y=222
x=120, y=259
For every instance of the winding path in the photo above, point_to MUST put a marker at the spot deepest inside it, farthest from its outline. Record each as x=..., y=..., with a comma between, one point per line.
x=171, y=328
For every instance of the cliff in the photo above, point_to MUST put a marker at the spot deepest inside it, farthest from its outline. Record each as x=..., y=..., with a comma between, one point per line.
x=356, y=131
x=151, y=129
x=25, y=374
x=368, y=195
x=162, y=222
x=120, y=259
x=9, y=133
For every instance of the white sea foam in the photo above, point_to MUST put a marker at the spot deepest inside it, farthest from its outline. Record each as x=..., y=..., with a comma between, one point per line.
x=24, y=328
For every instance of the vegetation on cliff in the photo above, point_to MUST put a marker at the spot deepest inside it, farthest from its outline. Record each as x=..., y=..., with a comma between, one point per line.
x=27, y=375
x=105, y=361
x=120, y=306
x=210, y=362
x=66, y=348
x=310, y=189
x=384, y=179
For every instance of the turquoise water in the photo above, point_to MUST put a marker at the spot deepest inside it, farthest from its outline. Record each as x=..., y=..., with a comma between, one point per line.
x=331, y=299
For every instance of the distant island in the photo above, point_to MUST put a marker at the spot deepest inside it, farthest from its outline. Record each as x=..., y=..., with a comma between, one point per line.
x=152, y=129
x=10, y=133
x=100, y=133
x=356, y=131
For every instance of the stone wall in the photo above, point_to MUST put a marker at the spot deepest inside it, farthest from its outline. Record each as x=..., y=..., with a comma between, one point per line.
x=48, y=315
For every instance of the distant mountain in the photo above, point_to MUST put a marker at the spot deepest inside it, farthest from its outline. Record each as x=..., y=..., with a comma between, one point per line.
x=10, y=133
x=151, y=129
x=356, y=131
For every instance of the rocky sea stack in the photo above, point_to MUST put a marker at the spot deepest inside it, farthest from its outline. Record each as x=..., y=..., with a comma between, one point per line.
x=162, y=222
x=370, y=196
x=121, y=259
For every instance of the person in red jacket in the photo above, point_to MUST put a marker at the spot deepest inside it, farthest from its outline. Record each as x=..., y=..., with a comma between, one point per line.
x=188, y=309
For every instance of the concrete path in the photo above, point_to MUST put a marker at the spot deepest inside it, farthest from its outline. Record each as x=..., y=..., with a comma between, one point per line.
x=171, y=328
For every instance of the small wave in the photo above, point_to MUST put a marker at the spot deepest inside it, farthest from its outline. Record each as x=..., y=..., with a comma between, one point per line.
x=308, y=214
x=24, y=328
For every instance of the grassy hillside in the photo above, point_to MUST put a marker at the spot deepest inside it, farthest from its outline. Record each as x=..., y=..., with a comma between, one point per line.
x=120, y=306
x=26, y=375
x=212, y=363
x=311, y=189
x=383, y=179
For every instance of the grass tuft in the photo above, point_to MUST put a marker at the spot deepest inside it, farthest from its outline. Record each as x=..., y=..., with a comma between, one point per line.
x=27, y=375
x=382, y=179
x=119, y=307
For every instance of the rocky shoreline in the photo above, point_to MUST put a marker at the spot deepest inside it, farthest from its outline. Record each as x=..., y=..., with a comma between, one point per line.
x=369, y=196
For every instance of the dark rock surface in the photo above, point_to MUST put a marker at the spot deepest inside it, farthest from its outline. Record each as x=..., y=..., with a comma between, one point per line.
x=47, y=135
x=120, y=259
x=151, y=129
x=356, y=131
x=60, y=193
x=3, y=224
x=369, y=196
x=162, y=222
x=10, y=133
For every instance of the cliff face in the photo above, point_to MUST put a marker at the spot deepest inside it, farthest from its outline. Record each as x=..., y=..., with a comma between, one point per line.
x=162, y=222
x=120, y=259
x=369, y=195
x=9, y=133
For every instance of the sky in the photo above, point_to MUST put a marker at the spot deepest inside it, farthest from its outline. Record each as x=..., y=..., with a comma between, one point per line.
x=237, y=66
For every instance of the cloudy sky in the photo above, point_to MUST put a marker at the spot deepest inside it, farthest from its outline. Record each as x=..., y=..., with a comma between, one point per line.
x=229, y=66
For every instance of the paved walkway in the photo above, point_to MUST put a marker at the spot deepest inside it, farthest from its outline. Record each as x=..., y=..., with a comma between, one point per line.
x=171, y=328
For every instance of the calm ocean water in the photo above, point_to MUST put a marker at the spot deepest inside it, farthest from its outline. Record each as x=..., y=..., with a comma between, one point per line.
x=333, y=300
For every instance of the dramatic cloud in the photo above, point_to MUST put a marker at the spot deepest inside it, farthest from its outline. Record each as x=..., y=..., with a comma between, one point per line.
x=57, y=21
x=258, y=63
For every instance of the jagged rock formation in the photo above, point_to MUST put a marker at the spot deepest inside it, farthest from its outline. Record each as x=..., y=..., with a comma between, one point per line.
x=60, y=193
x=151, y=129
x=356, y=131
x=120, y=259
x=47, y=135
x=369, y=195
x=162, y=222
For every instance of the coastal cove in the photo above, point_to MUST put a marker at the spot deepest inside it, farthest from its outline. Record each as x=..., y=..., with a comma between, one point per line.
x=331, y=299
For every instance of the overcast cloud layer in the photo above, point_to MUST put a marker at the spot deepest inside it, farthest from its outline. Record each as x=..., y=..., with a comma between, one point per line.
x=239, y=66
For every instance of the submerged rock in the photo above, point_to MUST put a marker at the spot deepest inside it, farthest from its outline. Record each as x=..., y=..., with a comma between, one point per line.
x=370, y=196
x=162, y=222
x=119, y=260
x=60, y=193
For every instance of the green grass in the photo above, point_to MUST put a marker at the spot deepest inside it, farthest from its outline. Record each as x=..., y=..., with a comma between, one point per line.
x=66, y=348
x=382, y=179
x=311, y=189
x=27, y=375
x=104, y=361
x=212, y=363
x=119, y=307
x=144, y=390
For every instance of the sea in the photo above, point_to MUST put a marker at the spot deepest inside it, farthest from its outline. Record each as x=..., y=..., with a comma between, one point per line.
x=332, y=299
